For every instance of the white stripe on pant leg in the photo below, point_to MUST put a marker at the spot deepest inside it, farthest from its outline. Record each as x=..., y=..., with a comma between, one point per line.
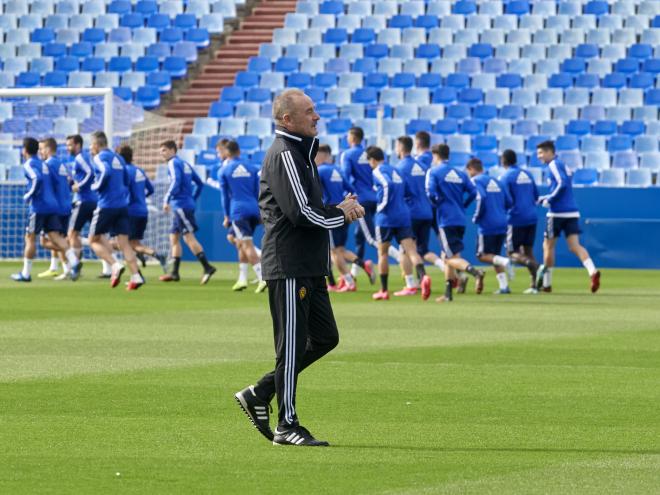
x=74, y=216
x=289, y=361
x=95, y=219
x=509, y=238
x=287, y=350
x=480, y=244
x=332, y=241
x=445, y=243
x=366, y=233
x=185, y=221
x=551, y=227
x=378, y=237
x=237, y=232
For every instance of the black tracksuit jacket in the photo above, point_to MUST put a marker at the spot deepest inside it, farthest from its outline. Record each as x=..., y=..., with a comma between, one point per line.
x=296, y=222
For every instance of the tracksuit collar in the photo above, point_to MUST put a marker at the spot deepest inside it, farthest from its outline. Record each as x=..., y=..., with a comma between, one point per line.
x=308, y=146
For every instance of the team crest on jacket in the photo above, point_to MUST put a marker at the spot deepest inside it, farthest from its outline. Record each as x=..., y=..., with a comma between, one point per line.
x=302, y=292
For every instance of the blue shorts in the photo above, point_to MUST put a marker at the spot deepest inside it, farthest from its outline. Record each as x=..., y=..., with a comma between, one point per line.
x=386, y=234
x=136, y=228
x=64, y=224
x=43, y=223
x=81, y=214
x=339, y=236
x=183, y=222
x=554, y=226
x=517, y=237
x=109, y=220
x=490, y=244
x=422, y=231
x=244, y=227
x=451, y=239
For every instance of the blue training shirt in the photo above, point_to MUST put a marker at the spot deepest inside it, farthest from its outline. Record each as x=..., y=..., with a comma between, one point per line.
x=391, y=209
x=185, y=185
x=357, y=170
x=451, y=191
x=111, y=182
x=560, y=198
x=520, y=185
x=493, y=201
x=414, y=173
x=334, y=183
x=239, y=183
x=139, y=188
x=40, y=193
x=82, y=171
x=426, y=158
x=59, y=175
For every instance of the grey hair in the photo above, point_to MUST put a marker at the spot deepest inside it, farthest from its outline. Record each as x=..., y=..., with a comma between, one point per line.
x=100, y=139
x=283, y=103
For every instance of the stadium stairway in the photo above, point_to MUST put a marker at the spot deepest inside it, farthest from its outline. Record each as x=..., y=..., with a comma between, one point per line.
x=231, y=58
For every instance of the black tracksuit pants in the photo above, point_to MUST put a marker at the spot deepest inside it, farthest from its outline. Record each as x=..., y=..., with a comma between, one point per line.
x=305, y=330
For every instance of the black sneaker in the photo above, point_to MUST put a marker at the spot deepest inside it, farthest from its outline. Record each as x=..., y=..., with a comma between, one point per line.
x=142, y=259
x=297, y=435
x=207, y=275
x=257, y=410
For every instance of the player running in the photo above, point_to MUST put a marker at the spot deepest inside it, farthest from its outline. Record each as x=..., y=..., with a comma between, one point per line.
x=185, y=188
x=335, y=188
x=44, y=216
x=59, y=175
x=139, y=188
x=490, y=216
x=239, y=183
x=413, y=173
x=563, y=216
x=393, y=222
x=451, y=191
x=521, y=229
x=111, y=214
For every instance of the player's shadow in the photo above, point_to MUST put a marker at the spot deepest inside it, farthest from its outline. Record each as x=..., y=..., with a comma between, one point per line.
x=540, y=450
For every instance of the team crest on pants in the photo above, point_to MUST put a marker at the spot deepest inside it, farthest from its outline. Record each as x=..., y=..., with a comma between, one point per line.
x=302, y=292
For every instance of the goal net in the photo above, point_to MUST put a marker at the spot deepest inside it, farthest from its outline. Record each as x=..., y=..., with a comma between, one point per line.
x=58, y=113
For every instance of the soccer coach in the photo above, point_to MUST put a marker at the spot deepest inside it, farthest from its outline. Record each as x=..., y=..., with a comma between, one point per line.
x=295, y=261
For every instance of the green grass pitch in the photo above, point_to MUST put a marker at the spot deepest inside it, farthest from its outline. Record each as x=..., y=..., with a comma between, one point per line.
x=103, y=391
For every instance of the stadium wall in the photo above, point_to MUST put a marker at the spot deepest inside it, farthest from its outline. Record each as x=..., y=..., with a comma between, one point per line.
x=621, y=229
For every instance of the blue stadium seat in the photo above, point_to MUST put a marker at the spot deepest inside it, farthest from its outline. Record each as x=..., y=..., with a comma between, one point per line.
x=335, y=36
x=473, y=127
x=627, y=65
x=316, y=94
x=651, y=65
x=615, y=80
x=652, y=97
x=147, y=64
x=471, y=96
x=596, y=7
x=81, y=49
x=286, y=64
x=624, y=160
x=159, y=22
x=160, y=79
x=159, y=50
x=458, y=111
x=485, y=112
x=429, y=80
x=55, y=50
x=567, y=143
x=578, y=127
x=458, y=81
x=614, y=177
x=325, y=80
x=585, y=177
x=176, y=66
x=367, y=96
x=43, y=35
x=512, y=112
x=120, y=64
x=640, y=50
x=458, y=159
x=376, y=50
x=403, y=80
x=171, y=35
x=299, y=80
x=517, y=7
x=338, y=126
x=619, y=143
x=258, y=95
x=444, y=95
x=199, y=36
x=57, y=79
x=331, y=7
x=605, y=128
x=586, y=50
x=338, y=65
x=327, y=110
x=67, y=64
x=28, y=80
x=464, y=7
x=562, y=80
x=428, y=50
x=484, y=143
x=119, y=7
x=426, y=21
x=131, y=20
x=245, y=79
x=587, y=81
x=574, y=65
x=248, y=143
x=481, y=50
x=416, y=125
x=364, y=36
x=446, y=126
x=185, y=21
x=641, y=177
x=146, y=7
x=365, y=65
x=510, y=81
x=641, y=80
x=124, y=93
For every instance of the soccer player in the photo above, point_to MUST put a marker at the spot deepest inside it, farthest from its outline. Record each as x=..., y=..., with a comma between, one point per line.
x=393, y=222
x=139, y=188
x=111, y=214
x=356, y=169
x=451, y=191
x=44, y=216
x=185, y=188
x=423, y=148
x=59, y=174
x=413, y=173
x=521, y=229
x=84, y=199
x=563, y=216
x=490, y=215
x=239, y=183
x=335, y=188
